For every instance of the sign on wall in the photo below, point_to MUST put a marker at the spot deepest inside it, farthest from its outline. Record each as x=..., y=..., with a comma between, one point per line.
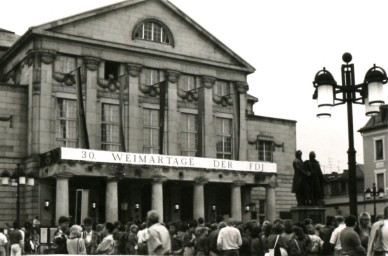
x=165, y=160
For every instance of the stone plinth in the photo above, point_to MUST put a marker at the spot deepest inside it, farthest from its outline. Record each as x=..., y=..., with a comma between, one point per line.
x=316, y=213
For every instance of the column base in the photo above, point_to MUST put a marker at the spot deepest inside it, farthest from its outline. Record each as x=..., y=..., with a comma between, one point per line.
x=300, y=213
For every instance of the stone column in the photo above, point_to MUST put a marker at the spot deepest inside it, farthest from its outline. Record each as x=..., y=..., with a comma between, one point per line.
x=134, y=111
x=199, y=198
x=242, y=89
x=270, y=199
x=172, y=114
x=111, y=200
x=206, y=132
x=92, y=64
x=62, y=195
x=157, y=195
x=236, y=208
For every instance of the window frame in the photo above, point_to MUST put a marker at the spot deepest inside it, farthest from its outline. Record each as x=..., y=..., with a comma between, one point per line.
x=67, y=120
x=164, y=30
x=110, y=123
x=375, y=139
x=224, y=153
x=187, y=131
x=264, y=152
x=377, y=172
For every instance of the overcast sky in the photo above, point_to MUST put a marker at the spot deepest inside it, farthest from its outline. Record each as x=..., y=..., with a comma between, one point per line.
x=286, y=41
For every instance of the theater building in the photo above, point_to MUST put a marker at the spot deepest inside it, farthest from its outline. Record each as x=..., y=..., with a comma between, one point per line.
x=82, y=101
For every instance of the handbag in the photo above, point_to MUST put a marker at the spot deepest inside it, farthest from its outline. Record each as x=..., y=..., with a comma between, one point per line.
x=271, y=252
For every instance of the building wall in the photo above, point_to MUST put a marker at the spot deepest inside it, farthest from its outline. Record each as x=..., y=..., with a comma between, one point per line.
x=283, y=132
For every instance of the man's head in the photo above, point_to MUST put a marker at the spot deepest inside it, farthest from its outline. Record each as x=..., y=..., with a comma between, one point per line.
x=108, y=229
x=88, y=224
x=351, y=221
x=63, y=223
x=201, y=221
x=364, y=219
x=298, y=154
x=230, y=222
x=221, y=225
x=16, y=225
x=312, y=155
x=339, y=220
x=152, y=218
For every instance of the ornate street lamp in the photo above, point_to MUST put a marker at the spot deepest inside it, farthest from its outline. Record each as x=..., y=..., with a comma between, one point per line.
x=18, y=178
x=329, y=94
x=369, y=193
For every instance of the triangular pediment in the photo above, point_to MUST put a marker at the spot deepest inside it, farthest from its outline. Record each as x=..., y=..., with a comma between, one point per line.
x=115, y=24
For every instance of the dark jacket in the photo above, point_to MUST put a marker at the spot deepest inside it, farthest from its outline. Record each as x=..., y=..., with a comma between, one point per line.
x=351, y=243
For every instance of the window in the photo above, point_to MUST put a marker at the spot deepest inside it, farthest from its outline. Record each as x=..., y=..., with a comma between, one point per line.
x=150, y=76
x=151, y=131
x=343, y=187
x=224, y=138
x=379, y=149
x=265, y=150
x=111, y=69
x=110, y=127
x=187, y=83
x=152, y=30
x=222, y=88
x=189, y=139
x=66, y=123
x=380, y=181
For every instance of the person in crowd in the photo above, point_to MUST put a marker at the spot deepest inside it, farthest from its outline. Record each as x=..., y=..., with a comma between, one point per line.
x=158, y=242
x=267, y=231
x=212, y=239
x=364, y=228
x=201, y=246
x=89, y=236
x=256, y=244
x=299, y=244
x=29, y=246
x=3, y=243
x=229, y=239
x=288, y=232
x=335, y=238
x=100, y=236
x=350, y=240
x=189, y=239
x=75, y=244
x=36, y=222
x=16, y=240
x=131, y=239
x=275, y=240
x=107, y=244
x=117, y=236
x=60, y=236
x=316, y=243
x=245, y=248
x=142, y=237
x=379, y=217
x=325, y=235
x=176, y=242
x=378, y=240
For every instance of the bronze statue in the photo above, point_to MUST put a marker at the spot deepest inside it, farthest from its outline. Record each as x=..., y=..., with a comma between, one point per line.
x=300, y=184
x=316, y=180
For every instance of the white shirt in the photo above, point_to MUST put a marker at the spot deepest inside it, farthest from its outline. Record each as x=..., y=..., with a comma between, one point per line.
x=335, y=236
x=142, y=236
x=3, y=239
x=229, y=238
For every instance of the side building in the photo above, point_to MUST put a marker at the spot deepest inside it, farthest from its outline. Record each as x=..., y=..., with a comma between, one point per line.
x=133, y=107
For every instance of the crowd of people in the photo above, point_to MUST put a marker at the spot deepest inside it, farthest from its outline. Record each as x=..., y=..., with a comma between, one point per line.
x=347, y=236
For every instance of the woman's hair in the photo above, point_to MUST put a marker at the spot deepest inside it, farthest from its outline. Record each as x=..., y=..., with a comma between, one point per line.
x=134, y=228
x=75, y=231
x=255, y=231
x=364, y=215
x=288, y=226
x=298, y=231
x=268, y=230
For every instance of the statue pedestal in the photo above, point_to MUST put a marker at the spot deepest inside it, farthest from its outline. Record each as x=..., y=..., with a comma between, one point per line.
x=316, y=213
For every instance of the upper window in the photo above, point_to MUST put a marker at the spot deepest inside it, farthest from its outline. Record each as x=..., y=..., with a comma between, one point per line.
x=66, y=123
x=224, y=144
x=379, y=149
x=152, y=30
x=110, y=127
x=265, y=150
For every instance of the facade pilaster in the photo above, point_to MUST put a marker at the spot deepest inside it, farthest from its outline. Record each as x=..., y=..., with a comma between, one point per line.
x=172, y=113
x=242, y=89
x=270, y=195
x=157, y=195
x=111, y=200
x=135, y=121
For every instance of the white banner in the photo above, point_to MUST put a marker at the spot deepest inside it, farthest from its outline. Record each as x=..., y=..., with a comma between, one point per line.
x=165, y=160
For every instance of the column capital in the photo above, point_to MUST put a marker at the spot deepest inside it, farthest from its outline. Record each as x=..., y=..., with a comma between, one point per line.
x=112, y=179
x=134, y=69
x=63, y=175
x=238, y=183
x=242, y=87
x=201, y=180
x=208, y=81
x=91, y=63
x=43, y=55
x=159, y=179
x=172, y=76
x=273, y=182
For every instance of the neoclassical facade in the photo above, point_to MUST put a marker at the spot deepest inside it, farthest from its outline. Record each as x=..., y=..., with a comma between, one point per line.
x=82, y=100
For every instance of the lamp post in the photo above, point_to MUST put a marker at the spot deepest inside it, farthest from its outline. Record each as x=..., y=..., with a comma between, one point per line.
x=18, y=178
x=374, y=193
x=329, y=94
